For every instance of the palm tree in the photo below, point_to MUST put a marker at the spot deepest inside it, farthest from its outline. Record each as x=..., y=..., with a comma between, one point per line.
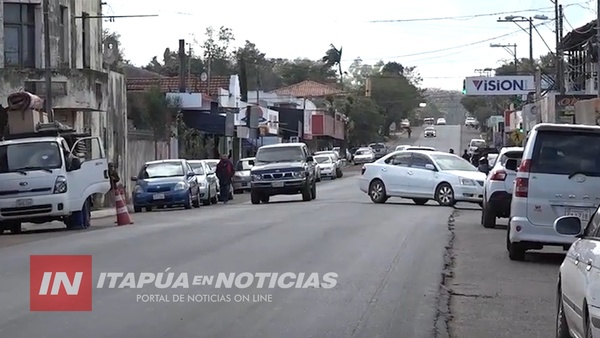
x=333, y=57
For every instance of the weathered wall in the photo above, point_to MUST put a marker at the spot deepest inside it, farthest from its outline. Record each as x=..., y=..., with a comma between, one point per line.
x=141, y=148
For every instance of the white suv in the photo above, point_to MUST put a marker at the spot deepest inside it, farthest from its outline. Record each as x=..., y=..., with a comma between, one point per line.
x=498, y=188
x=559, y=175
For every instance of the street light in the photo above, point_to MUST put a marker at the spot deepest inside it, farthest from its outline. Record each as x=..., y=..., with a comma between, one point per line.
x=513, y=52
x=516, y=19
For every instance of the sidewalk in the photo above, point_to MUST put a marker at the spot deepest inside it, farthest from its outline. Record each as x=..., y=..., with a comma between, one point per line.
x=108, y=212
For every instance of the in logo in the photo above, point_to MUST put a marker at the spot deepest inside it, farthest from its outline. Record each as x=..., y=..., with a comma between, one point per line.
x=60, y=283
x=477, y=84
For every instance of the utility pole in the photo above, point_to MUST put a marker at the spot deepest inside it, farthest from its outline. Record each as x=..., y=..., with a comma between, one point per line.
x=531, y=40
x=189, y=66
x=598, y=48
x=48, y=60
x=182, y=84
x=538, y=92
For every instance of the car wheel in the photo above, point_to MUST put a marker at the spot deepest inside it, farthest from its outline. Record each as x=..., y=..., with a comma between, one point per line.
x=488, y=218
x=313, y=191
x=137, y=209
x=377, y=192
x=254, y=197
x=208, y=199
x=420, y=201
x=562, y=328
x=148, y=209
x=15, y=228
x=516, y=251
x=188, y=203
x=444, y=195
x=196, y=202
x=306, y=192
x=265, y=198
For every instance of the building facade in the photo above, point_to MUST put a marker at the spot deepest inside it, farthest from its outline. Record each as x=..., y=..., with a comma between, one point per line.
x=86, y=93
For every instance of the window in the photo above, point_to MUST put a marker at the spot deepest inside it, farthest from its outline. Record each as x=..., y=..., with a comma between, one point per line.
x=419, y=161
x=162, y=169
x=23, y=157
x=63, y=46
x=566, y=153
x=245, y=165
x=85, y=39
x=401, y=160
x=197, y=168
x=517, y=155
x=19, y=35
x=280, y=154
x=452, y=162
x=593, y=227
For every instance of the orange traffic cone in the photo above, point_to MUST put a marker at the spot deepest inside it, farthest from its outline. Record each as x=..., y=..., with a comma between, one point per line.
x=123, y=217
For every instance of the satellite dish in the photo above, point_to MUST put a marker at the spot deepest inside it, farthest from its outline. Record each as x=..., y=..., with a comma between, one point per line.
x=203, y=77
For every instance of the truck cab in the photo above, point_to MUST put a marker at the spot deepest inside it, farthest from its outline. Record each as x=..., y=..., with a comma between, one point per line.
x=50, y=175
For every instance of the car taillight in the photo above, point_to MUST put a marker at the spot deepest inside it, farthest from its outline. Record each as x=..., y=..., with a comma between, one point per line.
x=499, y=175
x=521, y=187
x=524, y=167
x=362, y=170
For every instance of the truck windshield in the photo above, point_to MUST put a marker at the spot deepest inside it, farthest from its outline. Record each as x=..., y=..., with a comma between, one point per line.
x=279, y=154
x=21, y=157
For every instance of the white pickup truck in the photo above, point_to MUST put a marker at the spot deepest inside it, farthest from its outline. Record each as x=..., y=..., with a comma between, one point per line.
x=50, y=175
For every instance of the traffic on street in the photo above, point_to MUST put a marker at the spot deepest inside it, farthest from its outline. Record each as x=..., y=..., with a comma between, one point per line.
x=422, y=268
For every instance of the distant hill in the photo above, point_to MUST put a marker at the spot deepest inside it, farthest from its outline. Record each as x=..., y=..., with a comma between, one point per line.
x=447, y=103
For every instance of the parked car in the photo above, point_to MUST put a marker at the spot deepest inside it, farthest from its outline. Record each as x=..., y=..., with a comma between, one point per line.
x=422, y=176
x=336, y=158
x=207, y=182
x=405, y=123
x=429, y=132
x=471, y=122
x=578, y=305
x=241, y=178
x=498, y=187
x=326, y=166
x=212, y=163
x=379, y=149
x=363, y=155
x=441, y=121
x=283, y=169
x=475, y=144
x=558, y=176
x=165, y=183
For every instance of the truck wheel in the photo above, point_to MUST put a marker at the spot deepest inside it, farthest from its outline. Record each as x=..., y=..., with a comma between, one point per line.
x=15, y=228
x=306, y=192
x=137, y=209
x=313, y=191
x=255, y=197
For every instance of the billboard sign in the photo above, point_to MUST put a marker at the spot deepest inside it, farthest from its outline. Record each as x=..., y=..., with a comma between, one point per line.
x=565, y=107
x=499, y=85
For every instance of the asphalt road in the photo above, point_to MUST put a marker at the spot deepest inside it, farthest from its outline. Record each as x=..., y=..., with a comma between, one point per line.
x=389, y=261
x=491, y=296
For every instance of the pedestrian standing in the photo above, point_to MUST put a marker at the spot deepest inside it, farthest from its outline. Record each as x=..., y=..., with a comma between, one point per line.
x=113, y=175
x=225, y=173
x=451, y=151
x=466, y=156
x=409, y=131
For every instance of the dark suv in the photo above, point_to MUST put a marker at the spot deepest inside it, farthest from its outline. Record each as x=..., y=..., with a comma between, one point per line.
x=283, y=169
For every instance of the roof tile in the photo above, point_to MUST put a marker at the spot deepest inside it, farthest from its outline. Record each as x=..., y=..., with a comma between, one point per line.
x=308, y=89
x=171, y=84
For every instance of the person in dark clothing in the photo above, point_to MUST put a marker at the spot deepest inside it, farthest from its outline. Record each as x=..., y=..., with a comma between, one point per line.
x=484, y=165
x=451, y=151
x=113, y=175
x=466, y=156
x=225, y=173
x=409, y=131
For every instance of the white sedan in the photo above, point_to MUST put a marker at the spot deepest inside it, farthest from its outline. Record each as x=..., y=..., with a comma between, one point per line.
x=422, y=176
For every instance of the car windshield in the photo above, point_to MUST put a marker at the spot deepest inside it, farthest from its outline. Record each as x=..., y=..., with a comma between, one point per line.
x=452, y=162
x=197, y=167
x=212, y=164
x=279, y=154
x=377, y=146
x=243, y=165
x=162, y=169
x=429, y=128
x=566, y=153
x=22, y=157
x=323, y=159
x=477, y=143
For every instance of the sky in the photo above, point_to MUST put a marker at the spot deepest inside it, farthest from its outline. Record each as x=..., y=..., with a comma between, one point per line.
x=444, y=51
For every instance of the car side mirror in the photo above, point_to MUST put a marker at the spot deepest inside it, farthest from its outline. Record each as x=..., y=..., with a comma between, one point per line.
x=134, y=178
x=568, y=226
x=190, y=174
x=430, y=166
x=511, y=164
x=251, y=162
x=310, y=159
x=74, y=164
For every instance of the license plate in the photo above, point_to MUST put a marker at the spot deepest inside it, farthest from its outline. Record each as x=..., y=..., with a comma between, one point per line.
x=277, y=184
x=583, y=214
x=159, y=196
x=26, y=202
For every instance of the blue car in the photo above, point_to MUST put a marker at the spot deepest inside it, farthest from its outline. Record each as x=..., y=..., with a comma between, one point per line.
x=165, y=183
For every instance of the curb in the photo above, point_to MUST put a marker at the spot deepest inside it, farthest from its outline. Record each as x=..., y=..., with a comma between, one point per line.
x=108, y=212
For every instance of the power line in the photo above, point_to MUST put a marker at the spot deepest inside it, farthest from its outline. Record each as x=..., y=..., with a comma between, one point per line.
x=473, y=16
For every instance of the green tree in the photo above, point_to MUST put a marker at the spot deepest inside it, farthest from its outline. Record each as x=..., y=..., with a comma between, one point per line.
x=217, y=54
x=299, y=70
x=365, y=120
x=106, y=35
x=259, y=69
x=332, y=58
x=359, y=72
x=170, y=64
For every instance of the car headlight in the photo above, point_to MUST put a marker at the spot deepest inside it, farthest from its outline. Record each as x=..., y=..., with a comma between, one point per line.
x=299, y=174
x=138, y=189
x=180, y=186
x=466, y=181
x=60, y=185
x=256, y=177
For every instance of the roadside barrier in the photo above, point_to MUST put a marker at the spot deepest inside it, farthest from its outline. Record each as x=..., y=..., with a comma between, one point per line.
x=123, y=217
